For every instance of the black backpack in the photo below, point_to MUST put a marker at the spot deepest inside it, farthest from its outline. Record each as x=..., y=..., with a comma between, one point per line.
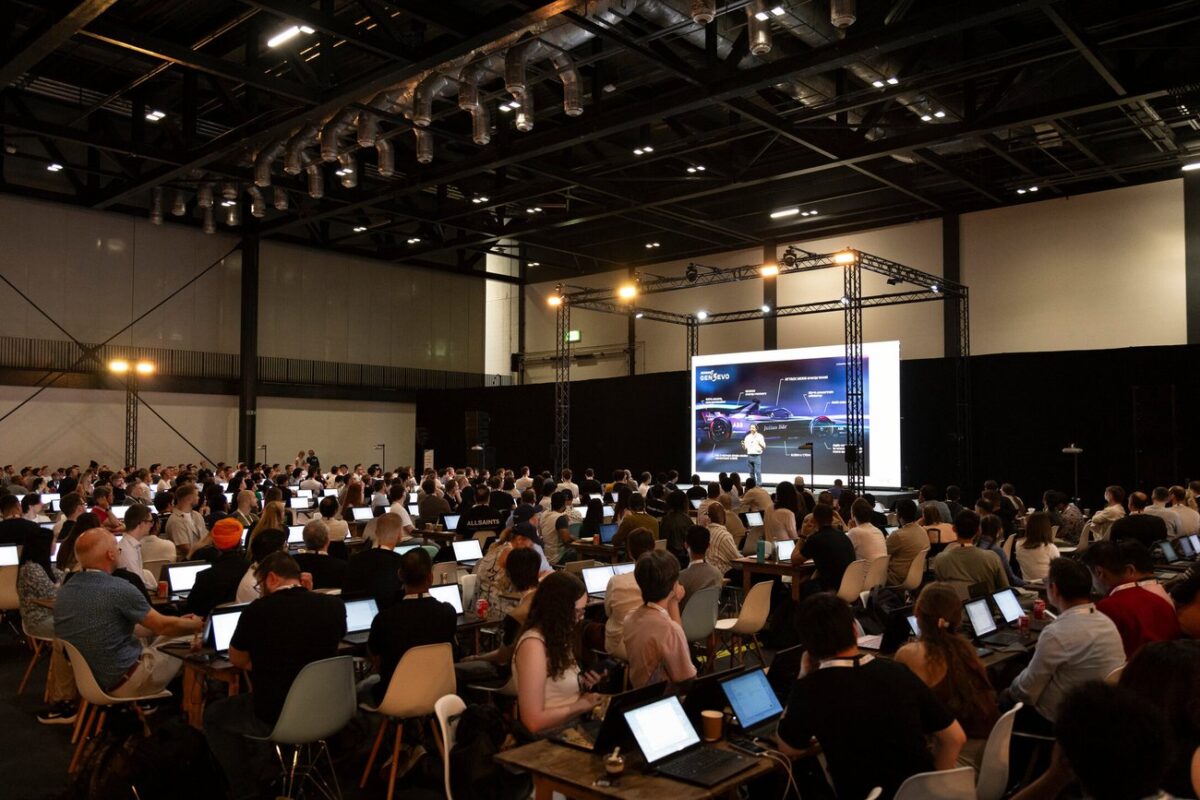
x=474, y=772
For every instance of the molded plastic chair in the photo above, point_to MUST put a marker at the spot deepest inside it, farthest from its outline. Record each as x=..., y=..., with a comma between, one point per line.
x=853, y=580
x=877, y=574
x=699, y=619
x=950, y=784
x=445, y=572
x=424, y=675
x=1114, y=677
x=98, y=701
x=576, y=567
x=574, y=529
x=875, y=793
x=40, y=646
x=916, y=573
x=447, y=711
x=155, y=567
x=660, y=544
x=750, y=620
x=320, y=703
x=470, y=585
x=432, y=549
x=993, y=769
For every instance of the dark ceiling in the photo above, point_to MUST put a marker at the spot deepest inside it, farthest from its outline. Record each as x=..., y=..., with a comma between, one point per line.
x=742, y=117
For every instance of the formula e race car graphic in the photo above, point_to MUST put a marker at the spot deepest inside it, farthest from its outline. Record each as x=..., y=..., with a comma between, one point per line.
x=723, y=421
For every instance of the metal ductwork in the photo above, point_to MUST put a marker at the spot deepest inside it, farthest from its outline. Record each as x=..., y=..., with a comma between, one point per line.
x=468, y=84
x=331, y=134
x=179, y=205
x=704, y=11
x=281, y=199
x=348, y=170
x=156, y=206
x=385, y=158
x=842, y=13
x=293, y=164
x=258, y=206
x=233, y=215
x=229, y=191
x=316, y=178
x=264, y=161
x=481, y=125
x=204, y=195
x=758, y=27
x=435, y=85
x=210, y=224
x=572, y=99
x=424, y=145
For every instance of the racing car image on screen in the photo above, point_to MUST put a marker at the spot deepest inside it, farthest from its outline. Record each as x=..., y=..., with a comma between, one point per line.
x=719, y=422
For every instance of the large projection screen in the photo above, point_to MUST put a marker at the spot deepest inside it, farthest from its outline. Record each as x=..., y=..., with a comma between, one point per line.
x=795, y=397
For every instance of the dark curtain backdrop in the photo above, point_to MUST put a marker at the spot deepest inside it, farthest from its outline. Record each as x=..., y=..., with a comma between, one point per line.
x=1128, y=409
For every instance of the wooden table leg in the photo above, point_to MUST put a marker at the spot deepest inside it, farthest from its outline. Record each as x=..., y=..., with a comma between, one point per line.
x=746, y=575
x=192, y=702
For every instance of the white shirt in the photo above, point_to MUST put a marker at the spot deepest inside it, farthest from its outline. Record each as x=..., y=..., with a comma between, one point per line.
x=1189, y=520
x=399, y=509
x=869, y=542
x=186, y=528
x=621, y=597
x=129, y=556
x=247, y=591
x=1035, y=562
x=1169, y=516
x=573, y=487
x=521, y=484
x=755, y=443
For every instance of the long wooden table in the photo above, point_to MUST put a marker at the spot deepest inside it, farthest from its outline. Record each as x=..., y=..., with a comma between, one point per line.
x=750, y=566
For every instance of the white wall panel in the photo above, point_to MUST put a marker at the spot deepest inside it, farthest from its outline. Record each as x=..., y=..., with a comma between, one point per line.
x=342, y=432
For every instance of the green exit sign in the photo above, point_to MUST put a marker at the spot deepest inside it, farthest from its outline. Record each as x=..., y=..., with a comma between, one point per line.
x=574, y=336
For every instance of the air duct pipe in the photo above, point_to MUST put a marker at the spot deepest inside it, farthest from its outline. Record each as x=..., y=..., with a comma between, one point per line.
x=293, y=164
x=204, y=195
x=210, y=224
x=842, y=13
x=434, y=86
x=385, y=158
x=156, y=206
x=331, y=134
x=316, y=178
x=758, y=27
x=481, y=125
x=703, y=11
x=233, y=215
x=281, y=199
x=258, y=206
x=424, y=145
x=264, y=161
x=348, y=170
x=572, y=102
x=179, y=207
x=229, y=191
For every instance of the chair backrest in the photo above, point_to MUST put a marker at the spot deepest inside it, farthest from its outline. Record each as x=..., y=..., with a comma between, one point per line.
x=154, y=567
x=445, y=709
x=853, y=579
x=1085, y=538
x=755, y=609
x=660, y=544
x=577, y=567
x=469, y=584
x=875, y=793
x=574, y=529
x=432, y=549
x=445, y=572
x=9, y=600
x=750, y=543
x=993, y=769
x=85, y=681
x=483, y=536
x=916, y=572
x=423, y=675
x=878, y=572
x=1008, y=547
x=699, y=616
x=319, y=704
x=1114, y=677
x=950, y=784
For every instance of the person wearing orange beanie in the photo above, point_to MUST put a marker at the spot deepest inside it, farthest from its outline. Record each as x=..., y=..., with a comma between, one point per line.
x=218, y=584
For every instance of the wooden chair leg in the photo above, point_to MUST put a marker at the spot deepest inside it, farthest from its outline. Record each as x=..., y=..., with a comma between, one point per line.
x=37, y=655
x=374, y=752
x=395, y=759
x=758, y=651
x=87, y=720
x=710, y=662
x=81, y=715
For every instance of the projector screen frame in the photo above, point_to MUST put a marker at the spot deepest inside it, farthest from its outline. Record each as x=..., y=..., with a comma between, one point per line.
x=932, y=288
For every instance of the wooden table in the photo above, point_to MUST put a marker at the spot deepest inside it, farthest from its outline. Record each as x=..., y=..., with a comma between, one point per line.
x=571, y=772
x=195, y=674
x=750, y=565
x=440, y=537
x=604, y=553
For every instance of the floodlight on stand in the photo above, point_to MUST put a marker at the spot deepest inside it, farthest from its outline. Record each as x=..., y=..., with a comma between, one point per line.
x=638, y=315
x=769, y=270
x=118, y=366
x=627, y=291
x=766, y=309
x=556, y=299
x=691, y=273
x=144, y=368
x=845, y=257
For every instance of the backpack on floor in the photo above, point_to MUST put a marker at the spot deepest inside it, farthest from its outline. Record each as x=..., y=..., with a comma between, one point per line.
x=474, y=773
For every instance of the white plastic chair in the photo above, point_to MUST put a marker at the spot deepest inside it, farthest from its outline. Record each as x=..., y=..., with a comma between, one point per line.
x=155, y=568
x=447, y=710
x=98, y=701
x=470, y=585
x=320, y=703
x=916, y=573
x=877, y=574
x=446, y=572
x=853, y=580
x=424, y=675
x=40, y=646
x=750, y=620
x=1114, y=677
x=950, y=784
x=875, y=793
x=660, y=545
x=576, y=567
x=993, y=768
x=699, y=619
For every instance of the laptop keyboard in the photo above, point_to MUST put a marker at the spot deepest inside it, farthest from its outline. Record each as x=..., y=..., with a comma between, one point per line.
x=706, y=761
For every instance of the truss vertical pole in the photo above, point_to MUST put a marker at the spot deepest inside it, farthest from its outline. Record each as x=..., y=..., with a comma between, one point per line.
x=248, y=343
x=131, y=417
x=562, y=388
x=770, y=301
x=855, y=434
x=693, y=339
x=962, y=389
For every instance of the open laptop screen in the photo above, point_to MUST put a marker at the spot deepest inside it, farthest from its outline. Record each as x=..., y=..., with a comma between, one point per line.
x=621, y=569
x=751, y=697
x=607, y=532
x=1195, y=540
x=448, y=594
x=360, y=614
x=118, y=511
x=607, y=511
x=1168, y=552
x=596, y=579
x=451, y=521
x=362, y=514
x=305, y=493
x=224, y=623
x=696, y=503
x=1185, y=544
x=980, y=616
x=783, y=549
x=182, y=577
x=295, y=534
x=9, y=557
x=467, y=551
x=413, y=497
x=1010, y=607
x=754, y=519
x=299, y=503
x=661, y=729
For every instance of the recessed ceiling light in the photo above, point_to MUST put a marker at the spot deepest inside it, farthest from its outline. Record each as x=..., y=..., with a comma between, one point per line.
x=286, y=35
x=155, y=115
x=778, y=11
x=926, y=118
x=762, y=16
x=359, y=228
x=893, y=81
x=1195, y=165
x=414, y=240
x=55, y=167
x=785, y=212
x=939, y=114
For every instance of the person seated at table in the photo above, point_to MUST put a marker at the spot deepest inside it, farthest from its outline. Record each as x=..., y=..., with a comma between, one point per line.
x=868, y=540
x=479, y=517
x=327, y=572
x=623, y=595
x=38, y=583
x=593, y=518
x=991, y=538
x=276, y=636
x=1186, y=596
x=267, y=542
x=697, y=491
x=418, y=619
x=839, y=688
x=14, y=528
x=962, y=561
x=554, y=526
x=779, y=519
x=551, y=690
x=829, y=549
x=374, y=572
x=1140, y=615
x=219, y=583
x=905, y=543
x=338, y=528
x=652, y=633
x=698, y=574
x=722, y=547
x=247, y=504
x=96, y=612
x=1165, y=675
x=1036, y=549
x=674, y=525
x=931, y=520
x=636, y=518
x=1082, y=645
x=274, y=518
x=810, y=525
x=948, y=664
x=432, y=505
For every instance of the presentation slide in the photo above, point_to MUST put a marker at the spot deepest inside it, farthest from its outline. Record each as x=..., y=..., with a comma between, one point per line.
x=797, y=400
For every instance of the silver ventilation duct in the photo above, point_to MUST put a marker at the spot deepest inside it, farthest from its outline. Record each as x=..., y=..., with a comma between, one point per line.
x=703, y=11
x=179, y=204
x=281, y=199
x=758, y=27
x=293, y=164
x=433, y=86
x=842, y=13
x=156, y=206
x=210, y=224
x=258, y=206
x=332, y=133
x=386, y=158
x=316, y=178
x=481, y=125
x=264, y=160
x=204, y=195
x=348, y=170
x=424, y=145
x=233, y=215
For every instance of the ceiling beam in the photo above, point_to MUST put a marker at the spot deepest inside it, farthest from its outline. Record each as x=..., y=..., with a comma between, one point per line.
x=946, y=168
x=335, y=26
x=41, y=42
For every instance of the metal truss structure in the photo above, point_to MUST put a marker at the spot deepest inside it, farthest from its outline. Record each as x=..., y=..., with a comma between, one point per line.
x=930, y=288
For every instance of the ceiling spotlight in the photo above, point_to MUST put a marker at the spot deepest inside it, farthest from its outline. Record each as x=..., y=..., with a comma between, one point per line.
x=638, y=315
x=119, y=366
x=702, y=315
x=877, y=84
x=647, y=149
x=778, y=11
x=651, y=245
x=144, y=368
x=766, y=309
x=507, y=107
x=608, y=88
x=627, y=291
x=769, y=270
x=762, y=16
x=1033, y=188
x=892, y=81
x=55, y=167
x=534, y=264
x=287, y=34
x=691, y=273
x=926, y=118
x=812, y=213
x=533, y=210
x=785, y=212
x=845, y=300
x=155, y=116
x=228, y=203
x=1020, y=191
x=892, y=281
x=935, y=288
x=359, y=228
x=939, y=114
x=1195, y=165
x=554, y=300
x=637, y=151
x=414, y=240
x=844, y=257
x=691, y=170
x=479, y=199
x=343, y=171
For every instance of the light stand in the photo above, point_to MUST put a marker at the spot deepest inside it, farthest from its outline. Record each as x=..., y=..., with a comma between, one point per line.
x=382, y=457
x=1075, y=453
x=263, y=447
x=131, y=372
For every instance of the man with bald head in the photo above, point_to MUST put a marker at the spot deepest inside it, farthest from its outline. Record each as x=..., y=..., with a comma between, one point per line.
x=375, y=572
x=97, y=612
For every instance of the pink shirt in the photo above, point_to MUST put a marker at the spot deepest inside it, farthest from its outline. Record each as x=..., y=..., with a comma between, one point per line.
x=656, y=647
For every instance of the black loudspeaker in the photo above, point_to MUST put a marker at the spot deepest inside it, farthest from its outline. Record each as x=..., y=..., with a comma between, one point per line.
x=514, y=362
x=851, y=454
x=478, y=427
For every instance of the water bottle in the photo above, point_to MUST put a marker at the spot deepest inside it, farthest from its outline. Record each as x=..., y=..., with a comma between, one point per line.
x=762, y=550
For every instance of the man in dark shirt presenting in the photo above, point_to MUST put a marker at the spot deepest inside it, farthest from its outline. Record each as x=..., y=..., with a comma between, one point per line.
x=277, y=635
x=871, y=716
x=830, y=549
x=375, y=572
x=418, y=619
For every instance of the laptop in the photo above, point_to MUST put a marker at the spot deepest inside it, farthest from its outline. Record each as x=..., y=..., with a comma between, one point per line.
x=467, y=553
x=414, y=510
x=984, y=625
x=608, y=512
x=1169, y=553
x=602, y=735
x=118, y=511
x=595, y=580
x=753, y=519
x=298, y=503
x=222, y=622
x=621, y=569
x=295, y=535
x=359, y=616
x=1189, y=547
x=682, y=487
x=50, y=497
x=671, y=746
x=228, y=497
x=784, y=548
x=362, y=514
x=785, y=670
x=181, y=577
x=704, y=692
x=9, y=557
x=696, y=502
x=333, y=493
x=404, y=548
x=450, y=521
x=754, y=703
x=305, y=493
x=413, y=497
x=607, y=532
x=448, y=593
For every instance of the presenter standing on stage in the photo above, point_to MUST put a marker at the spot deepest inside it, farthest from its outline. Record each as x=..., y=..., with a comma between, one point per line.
x=754, y=444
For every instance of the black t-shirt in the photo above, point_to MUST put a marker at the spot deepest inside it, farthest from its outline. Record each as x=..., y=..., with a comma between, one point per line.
x=17, y=530
x=283, y=632
x=217, y=584
x=871, y=721
x=1146, y=528
x=832, y=551
x=502, y=502
x=373, y=573
x=409, y=623
x=479, y=518
x=328, y=572
x=591, y=487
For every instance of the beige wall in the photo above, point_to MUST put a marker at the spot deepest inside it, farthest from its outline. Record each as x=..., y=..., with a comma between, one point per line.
x=342, y=432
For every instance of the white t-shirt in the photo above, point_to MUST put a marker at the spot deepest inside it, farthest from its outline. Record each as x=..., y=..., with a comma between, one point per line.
x=1035, y=562
x=868, y=542
x=399, y=509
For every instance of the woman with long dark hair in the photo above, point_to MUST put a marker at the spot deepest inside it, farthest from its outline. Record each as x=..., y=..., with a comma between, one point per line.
x=1036, y=549
x=621, y=507
x=781, y=519
x=550, y=688
x=66, y=551
x=948, y=664
x=354, y=498
x=593, y=519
